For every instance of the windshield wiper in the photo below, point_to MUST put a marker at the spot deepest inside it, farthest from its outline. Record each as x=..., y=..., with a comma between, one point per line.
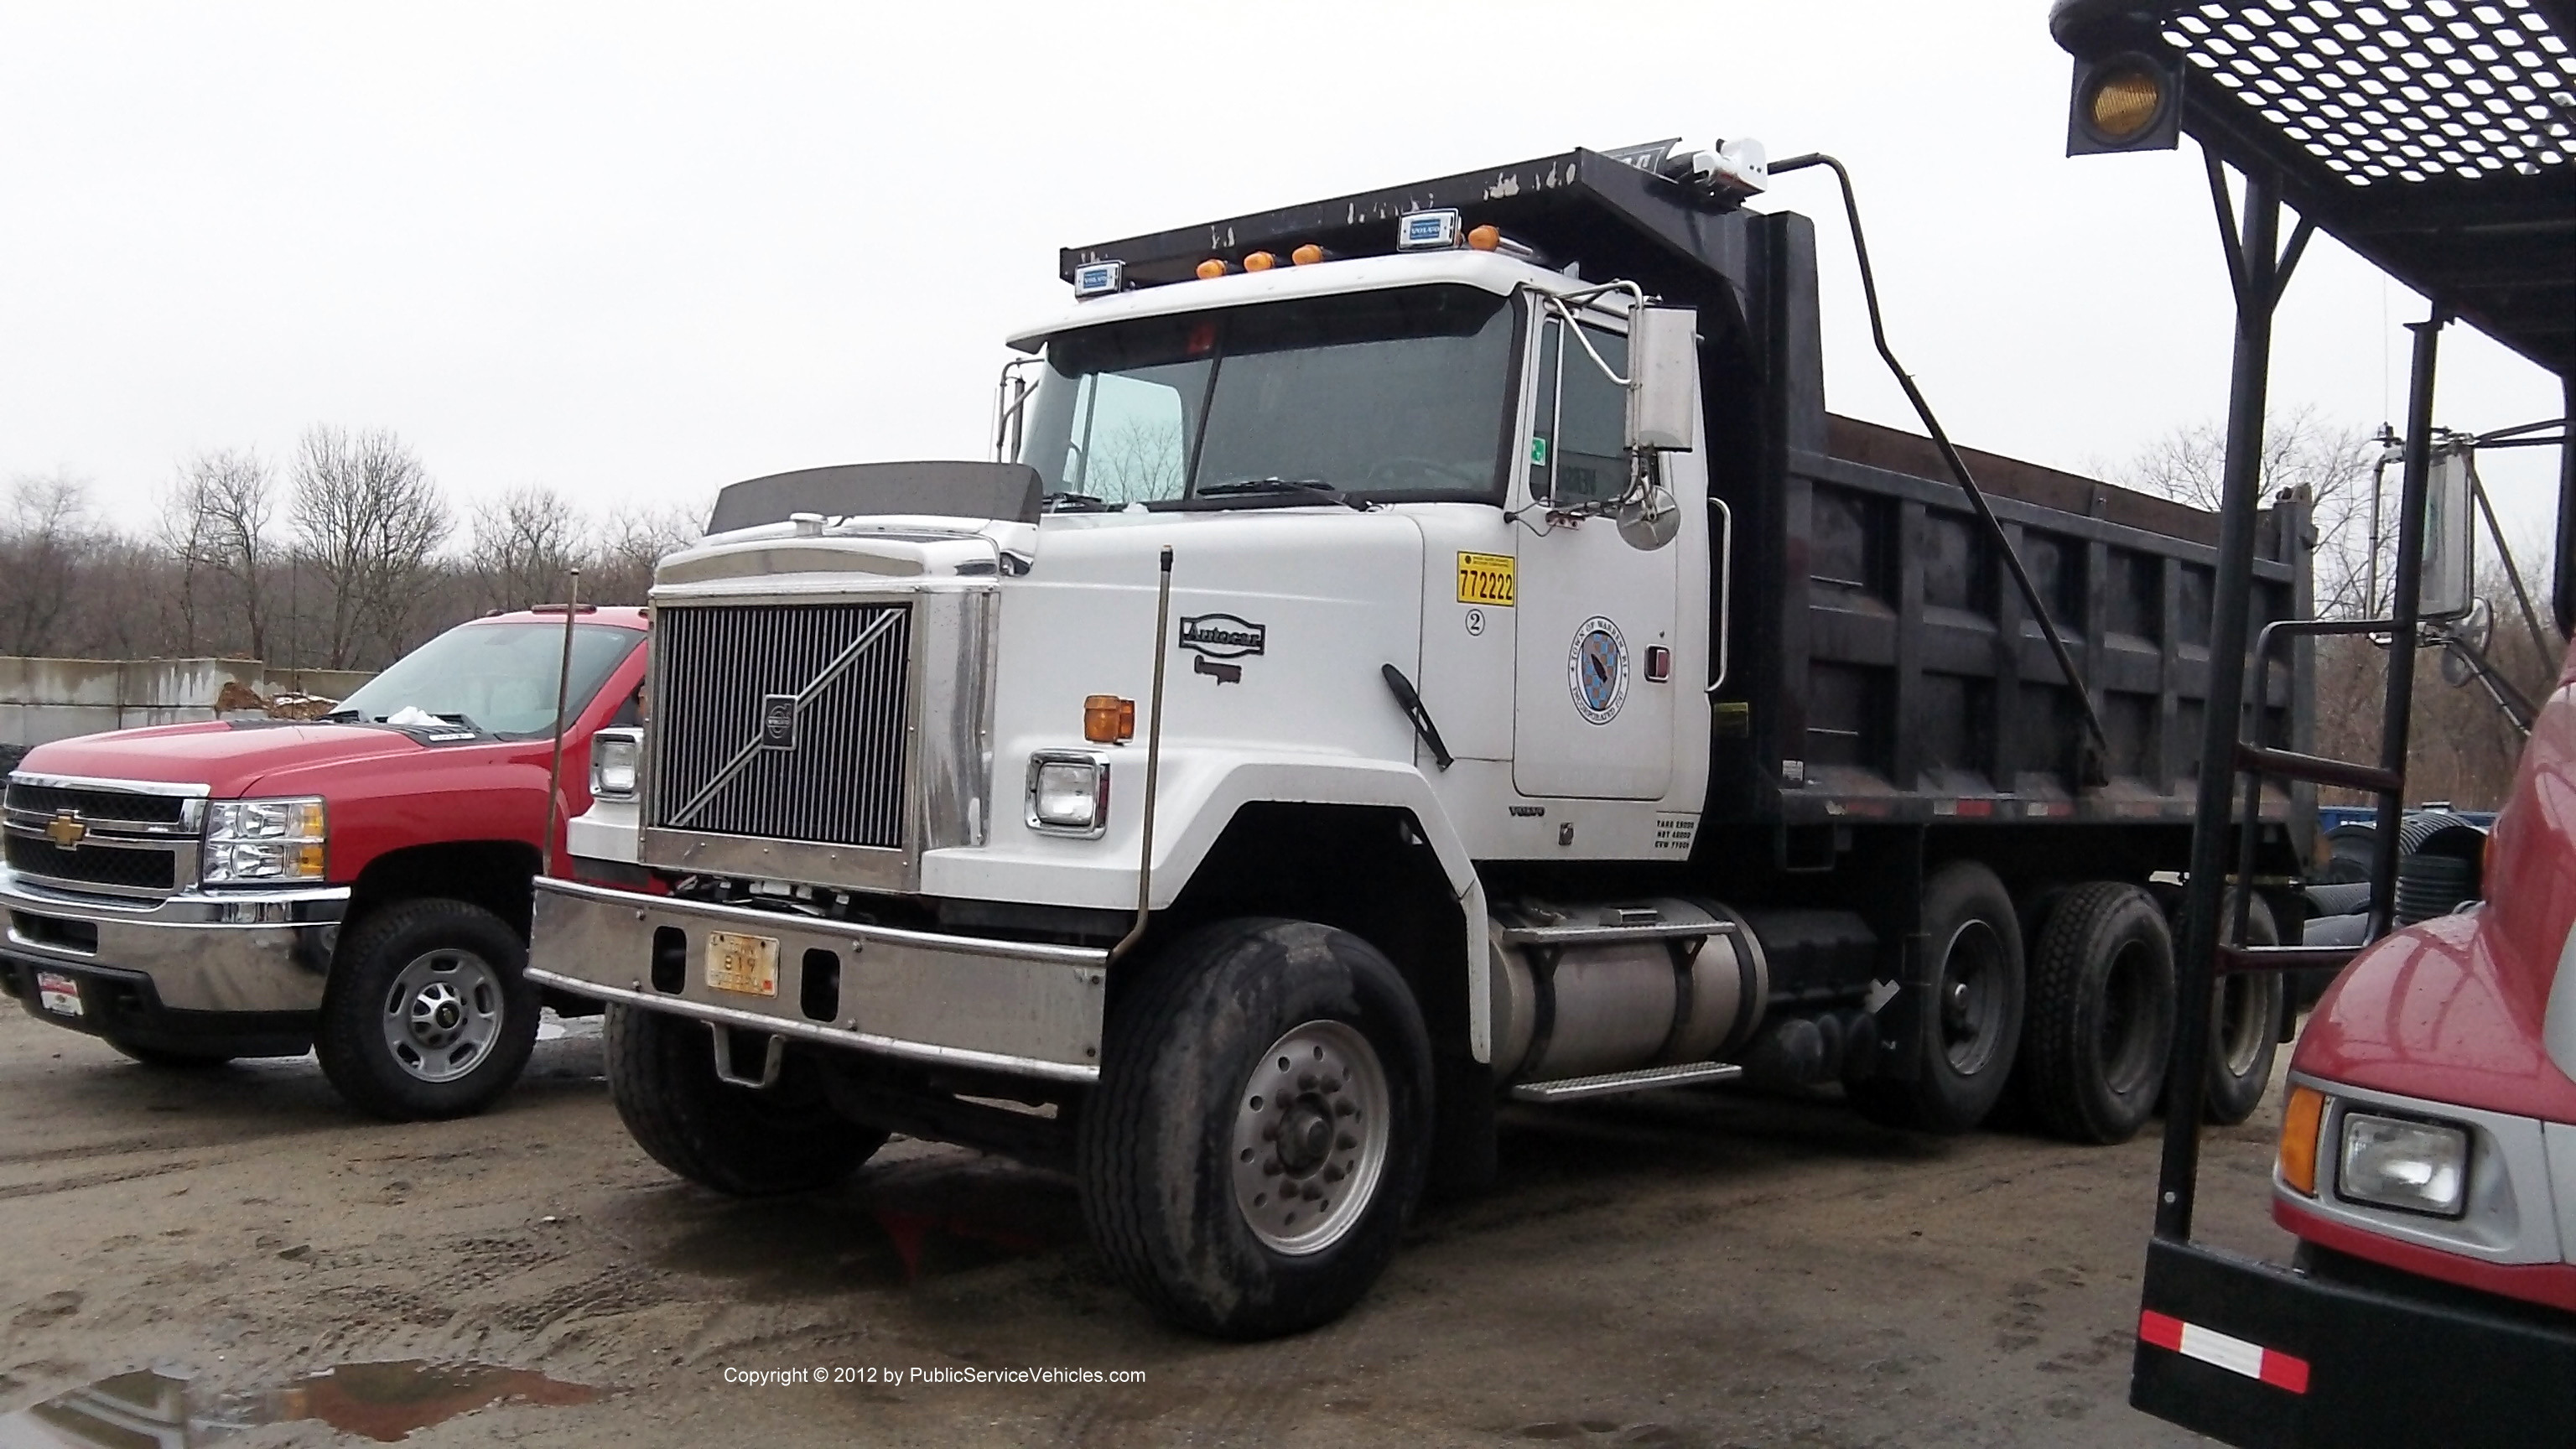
x=1245, y=487
x=342, y=716
x=1071, y=503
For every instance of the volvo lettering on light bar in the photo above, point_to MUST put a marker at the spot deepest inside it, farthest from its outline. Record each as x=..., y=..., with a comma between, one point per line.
x=1418, y=231
x=1099, y=279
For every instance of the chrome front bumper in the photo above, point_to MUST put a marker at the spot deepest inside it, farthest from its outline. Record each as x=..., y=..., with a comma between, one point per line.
x=263, y=953
x=1006, y=1006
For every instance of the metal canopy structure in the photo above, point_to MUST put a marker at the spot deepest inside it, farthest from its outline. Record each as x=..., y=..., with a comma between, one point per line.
x=2437, y=139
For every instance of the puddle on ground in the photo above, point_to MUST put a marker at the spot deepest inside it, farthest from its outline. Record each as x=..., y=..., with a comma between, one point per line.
x=803, y=1247
x=379, y=1401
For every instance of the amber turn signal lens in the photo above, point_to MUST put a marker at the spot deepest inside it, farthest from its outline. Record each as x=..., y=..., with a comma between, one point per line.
x=1108, y=720
x=1259, y=262
x=2301, y=1120
x=1211, y=269
x=2124, y=103
x=1307, y=255
x=1486, y=239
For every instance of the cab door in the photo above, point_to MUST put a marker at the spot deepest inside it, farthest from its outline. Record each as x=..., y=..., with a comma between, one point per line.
x=1594, y=680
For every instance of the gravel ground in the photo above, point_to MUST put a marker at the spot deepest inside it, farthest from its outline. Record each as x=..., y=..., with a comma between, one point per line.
x=1702, y=1268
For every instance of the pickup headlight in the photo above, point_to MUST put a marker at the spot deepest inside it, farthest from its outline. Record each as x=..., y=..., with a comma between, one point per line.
x=2416, y=1167
x=616, y=757
x=1068, y=793
x=264, y=842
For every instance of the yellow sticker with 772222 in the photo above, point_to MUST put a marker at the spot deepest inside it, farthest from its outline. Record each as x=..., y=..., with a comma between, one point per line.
x=1485, y=578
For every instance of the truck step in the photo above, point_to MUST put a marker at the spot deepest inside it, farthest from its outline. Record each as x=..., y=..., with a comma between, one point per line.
x=1641, y=1080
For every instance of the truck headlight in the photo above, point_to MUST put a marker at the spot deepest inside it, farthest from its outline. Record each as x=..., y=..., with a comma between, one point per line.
x=259, y=842
x=1068, y=793
x=616, y=757
x=2417, y=1167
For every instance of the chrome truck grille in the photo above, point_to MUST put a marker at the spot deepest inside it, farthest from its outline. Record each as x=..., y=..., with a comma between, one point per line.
x=105, y=837
x=782, y=721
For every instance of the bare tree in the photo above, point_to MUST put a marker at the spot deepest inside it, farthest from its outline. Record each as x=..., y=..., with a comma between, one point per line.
x=45, y=538
x=523, y=543
x=215, y=527
x=368, y=522
x=2331, y=463
x=631, y=544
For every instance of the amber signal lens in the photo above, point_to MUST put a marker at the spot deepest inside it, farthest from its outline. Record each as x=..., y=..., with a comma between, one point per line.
x=1486, y=239
x=2302, y=1118
x=1259, y=262
x=1108, y=720
x=1307, y=255
x=1211, y=269
x=2124, y=103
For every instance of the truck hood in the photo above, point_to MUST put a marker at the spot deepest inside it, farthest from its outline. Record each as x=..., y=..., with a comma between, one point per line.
x=228, y=759
x=2445, y=1012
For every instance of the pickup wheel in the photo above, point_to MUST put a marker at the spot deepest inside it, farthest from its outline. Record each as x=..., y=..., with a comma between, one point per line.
x=2245, y=1031
x=428, y=1012
x=1261, y=1129
x=741, y=1141
x=1970, y=1028
x=2101, y=1013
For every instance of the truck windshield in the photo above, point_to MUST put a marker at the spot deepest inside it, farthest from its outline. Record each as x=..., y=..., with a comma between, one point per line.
x=500, y=678
x=1386, y=395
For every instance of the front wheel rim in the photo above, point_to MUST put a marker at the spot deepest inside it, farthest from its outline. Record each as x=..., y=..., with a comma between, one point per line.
x=443, y=1015
x=1310, y=1137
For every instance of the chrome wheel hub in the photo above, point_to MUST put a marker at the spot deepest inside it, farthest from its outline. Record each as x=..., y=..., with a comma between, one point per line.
x=1310, y=1137
x=443, y=1015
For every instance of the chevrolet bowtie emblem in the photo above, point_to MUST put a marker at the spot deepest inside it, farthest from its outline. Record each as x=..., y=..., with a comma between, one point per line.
x=66, y=830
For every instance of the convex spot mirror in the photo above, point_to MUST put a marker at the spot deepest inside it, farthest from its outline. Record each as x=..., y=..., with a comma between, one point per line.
x=2449, y=561
x=1663, y=378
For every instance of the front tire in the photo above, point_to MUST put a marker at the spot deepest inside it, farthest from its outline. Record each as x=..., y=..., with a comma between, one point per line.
x=740, y=1141
x=2245, y=1029
x=1261, y=1129
x=2101, y=1013
x=429, y=1013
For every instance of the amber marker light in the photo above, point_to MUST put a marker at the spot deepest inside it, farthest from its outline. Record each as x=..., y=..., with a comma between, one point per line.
x=2301, y=1120
x=1307, y=255
x=1259, y=262
x=1108, y=720
x=1486, y=239
x=1211, y=269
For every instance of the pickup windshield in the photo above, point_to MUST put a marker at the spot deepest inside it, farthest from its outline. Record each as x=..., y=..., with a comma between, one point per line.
x=1378, y=395
x=498, y=678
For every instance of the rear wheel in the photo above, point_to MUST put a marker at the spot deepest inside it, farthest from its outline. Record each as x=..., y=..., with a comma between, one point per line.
x=1261, y=1129
x=2245, y=1027
x=2101, y=1013
x=1970, y=1028
x=742, y=1141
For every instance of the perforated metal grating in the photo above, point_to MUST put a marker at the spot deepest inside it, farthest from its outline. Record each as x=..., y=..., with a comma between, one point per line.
x=2396, y=90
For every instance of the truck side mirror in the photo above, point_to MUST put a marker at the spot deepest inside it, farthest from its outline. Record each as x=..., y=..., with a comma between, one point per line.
x=1663, y=378
x=2449, y=562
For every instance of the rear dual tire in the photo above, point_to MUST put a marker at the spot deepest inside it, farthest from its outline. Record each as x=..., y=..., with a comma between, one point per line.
x=1970, y=1029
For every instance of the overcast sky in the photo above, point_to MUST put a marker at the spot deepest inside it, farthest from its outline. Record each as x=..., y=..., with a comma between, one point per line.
x=634, y=252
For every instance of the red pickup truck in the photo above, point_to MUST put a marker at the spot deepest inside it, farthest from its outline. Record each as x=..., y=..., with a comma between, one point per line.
x=356, y=886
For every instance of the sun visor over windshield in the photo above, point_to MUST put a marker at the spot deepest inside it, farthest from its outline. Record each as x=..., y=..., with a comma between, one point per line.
x=1006, y=491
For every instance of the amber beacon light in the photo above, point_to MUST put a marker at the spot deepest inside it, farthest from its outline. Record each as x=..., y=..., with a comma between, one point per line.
x=1108, y=720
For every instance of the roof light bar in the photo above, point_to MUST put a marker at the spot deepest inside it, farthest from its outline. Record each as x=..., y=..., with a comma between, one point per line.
x=1099, y=279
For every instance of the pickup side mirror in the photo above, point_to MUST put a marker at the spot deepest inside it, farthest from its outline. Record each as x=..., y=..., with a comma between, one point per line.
x=2449, y=562
x=1663, y=378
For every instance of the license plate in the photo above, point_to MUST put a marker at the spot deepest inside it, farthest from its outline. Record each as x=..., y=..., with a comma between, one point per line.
x=59, y=993
x=745, y=965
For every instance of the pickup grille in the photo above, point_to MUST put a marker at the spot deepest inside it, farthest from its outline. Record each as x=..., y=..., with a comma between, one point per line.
x=782, y=721
x=150, y=868
x=128, y=841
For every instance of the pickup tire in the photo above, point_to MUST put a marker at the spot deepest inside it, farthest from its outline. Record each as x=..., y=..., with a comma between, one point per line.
x=740, y=1141
x=1262, y=1127
x=428, y=1013
x=2101, y=1013
x=1971, y=1026
x=2245, y=1027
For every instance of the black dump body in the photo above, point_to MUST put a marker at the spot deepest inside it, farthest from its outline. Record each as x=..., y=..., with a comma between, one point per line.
x=1884, y=667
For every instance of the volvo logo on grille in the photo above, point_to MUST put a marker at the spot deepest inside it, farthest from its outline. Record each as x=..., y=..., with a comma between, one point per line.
x=67, y=830
x=778, y=721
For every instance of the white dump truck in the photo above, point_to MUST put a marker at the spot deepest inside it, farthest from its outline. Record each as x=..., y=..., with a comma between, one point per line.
x=1420, y=650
